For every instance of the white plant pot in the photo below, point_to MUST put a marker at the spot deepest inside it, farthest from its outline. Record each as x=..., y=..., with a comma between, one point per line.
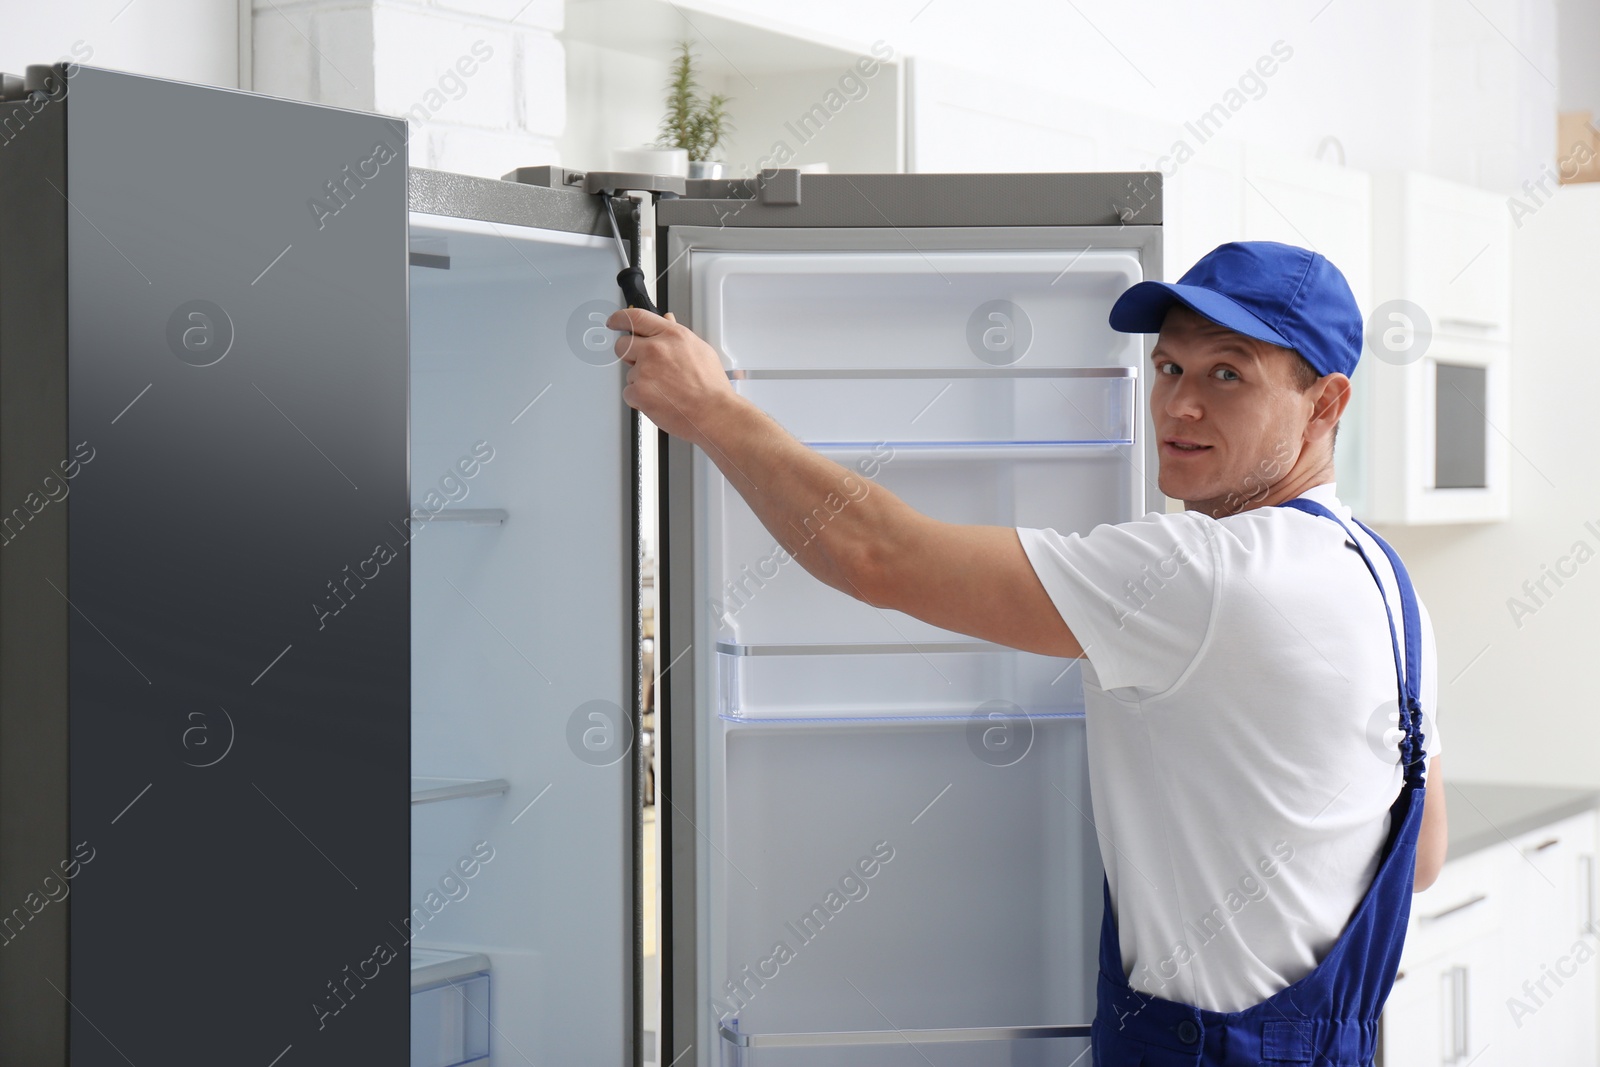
x=651, y=159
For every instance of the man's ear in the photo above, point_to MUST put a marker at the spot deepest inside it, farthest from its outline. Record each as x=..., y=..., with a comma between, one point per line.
x=1333, y=398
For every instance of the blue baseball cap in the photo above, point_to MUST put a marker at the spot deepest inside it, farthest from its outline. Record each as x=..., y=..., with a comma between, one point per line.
x=1273, y=292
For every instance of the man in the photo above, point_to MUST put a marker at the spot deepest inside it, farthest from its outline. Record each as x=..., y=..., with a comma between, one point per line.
x=1244, y=659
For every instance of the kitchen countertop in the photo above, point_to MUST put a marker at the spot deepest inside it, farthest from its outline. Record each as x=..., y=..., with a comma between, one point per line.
x=1483, y=814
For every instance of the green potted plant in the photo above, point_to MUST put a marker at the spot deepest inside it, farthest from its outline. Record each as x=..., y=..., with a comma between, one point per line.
x=694, y=122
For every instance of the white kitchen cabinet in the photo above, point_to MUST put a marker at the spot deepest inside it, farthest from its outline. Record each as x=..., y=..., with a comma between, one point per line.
x=1440, y=1011
x=1315, y=205
x=1437, y=1012
x=1327, y=209
x=796, y=99
x=1438, y=351
x=1548, y=987
x=1446, y=247
x=1466, y=903
x=1496, y=923
x=1413, y=1034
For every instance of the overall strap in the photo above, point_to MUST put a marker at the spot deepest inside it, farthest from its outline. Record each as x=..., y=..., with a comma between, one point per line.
x=1411, y=745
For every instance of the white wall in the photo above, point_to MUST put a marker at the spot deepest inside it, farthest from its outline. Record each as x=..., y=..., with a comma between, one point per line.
x=1518, y=703
x=482, y=83
x=188, y=40
x=1465, y=91
x=605, y=87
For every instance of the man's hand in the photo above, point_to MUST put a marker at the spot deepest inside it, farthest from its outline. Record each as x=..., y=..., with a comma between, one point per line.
x=675, y=379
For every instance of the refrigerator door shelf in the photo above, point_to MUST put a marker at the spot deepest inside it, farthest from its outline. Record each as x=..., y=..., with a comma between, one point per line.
x=1069, y=406
x=449, y=1008
x=951, y=309
x=434, y=966
x=932, y=681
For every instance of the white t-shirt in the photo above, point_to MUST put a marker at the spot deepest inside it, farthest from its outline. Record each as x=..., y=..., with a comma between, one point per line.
x=1238, y=683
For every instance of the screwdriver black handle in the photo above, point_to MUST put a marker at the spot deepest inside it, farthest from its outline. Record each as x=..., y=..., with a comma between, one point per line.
x=631, y=281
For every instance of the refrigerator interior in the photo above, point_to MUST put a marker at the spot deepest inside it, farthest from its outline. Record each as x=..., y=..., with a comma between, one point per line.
x=521, y=468
x=841, y=739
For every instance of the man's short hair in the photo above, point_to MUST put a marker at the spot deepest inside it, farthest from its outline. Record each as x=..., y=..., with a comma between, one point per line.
x=1305, y=375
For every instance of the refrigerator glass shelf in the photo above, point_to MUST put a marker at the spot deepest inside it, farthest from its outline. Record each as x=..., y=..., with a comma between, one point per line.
x=1063, y=407
x=943, y=1035
x=892, y=374
x=939, y=681
x=874, y=718
x=1043, y=449
x=910, y=648
x=428, y=790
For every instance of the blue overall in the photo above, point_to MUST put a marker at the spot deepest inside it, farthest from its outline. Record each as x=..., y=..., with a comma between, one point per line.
x=1329, y=1017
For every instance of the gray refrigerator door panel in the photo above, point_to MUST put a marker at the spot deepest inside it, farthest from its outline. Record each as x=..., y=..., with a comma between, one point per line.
x=239, y=574
x=944, y=336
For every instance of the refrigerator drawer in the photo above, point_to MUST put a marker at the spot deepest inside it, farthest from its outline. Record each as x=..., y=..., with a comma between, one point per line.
x=449, y=1008
x=949, y=869
x=1093, y=405
x=944, y=680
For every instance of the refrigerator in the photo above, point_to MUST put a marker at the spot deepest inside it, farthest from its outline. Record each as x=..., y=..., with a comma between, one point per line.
x=320, y=602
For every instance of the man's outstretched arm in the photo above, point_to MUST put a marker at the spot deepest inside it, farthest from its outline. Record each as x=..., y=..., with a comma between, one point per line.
x=853, y=535
x=1433, y=839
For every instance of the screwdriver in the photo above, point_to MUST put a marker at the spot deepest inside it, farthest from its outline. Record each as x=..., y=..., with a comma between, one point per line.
x=630, y=279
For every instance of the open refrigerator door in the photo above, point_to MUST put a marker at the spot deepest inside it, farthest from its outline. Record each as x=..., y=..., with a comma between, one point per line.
x=878, y=833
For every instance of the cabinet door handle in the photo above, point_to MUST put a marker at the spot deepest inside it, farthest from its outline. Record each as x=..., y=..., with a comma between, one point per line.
x=1447, y=1015
x=1465, y=904
x=1474, y=325
x=1454, y=1000
x=1547, y=843
x=1586, y=883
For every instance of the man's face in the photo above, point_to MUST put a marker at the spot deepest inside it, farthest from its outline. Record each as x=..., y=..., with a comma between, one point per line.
x=1229, y=419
